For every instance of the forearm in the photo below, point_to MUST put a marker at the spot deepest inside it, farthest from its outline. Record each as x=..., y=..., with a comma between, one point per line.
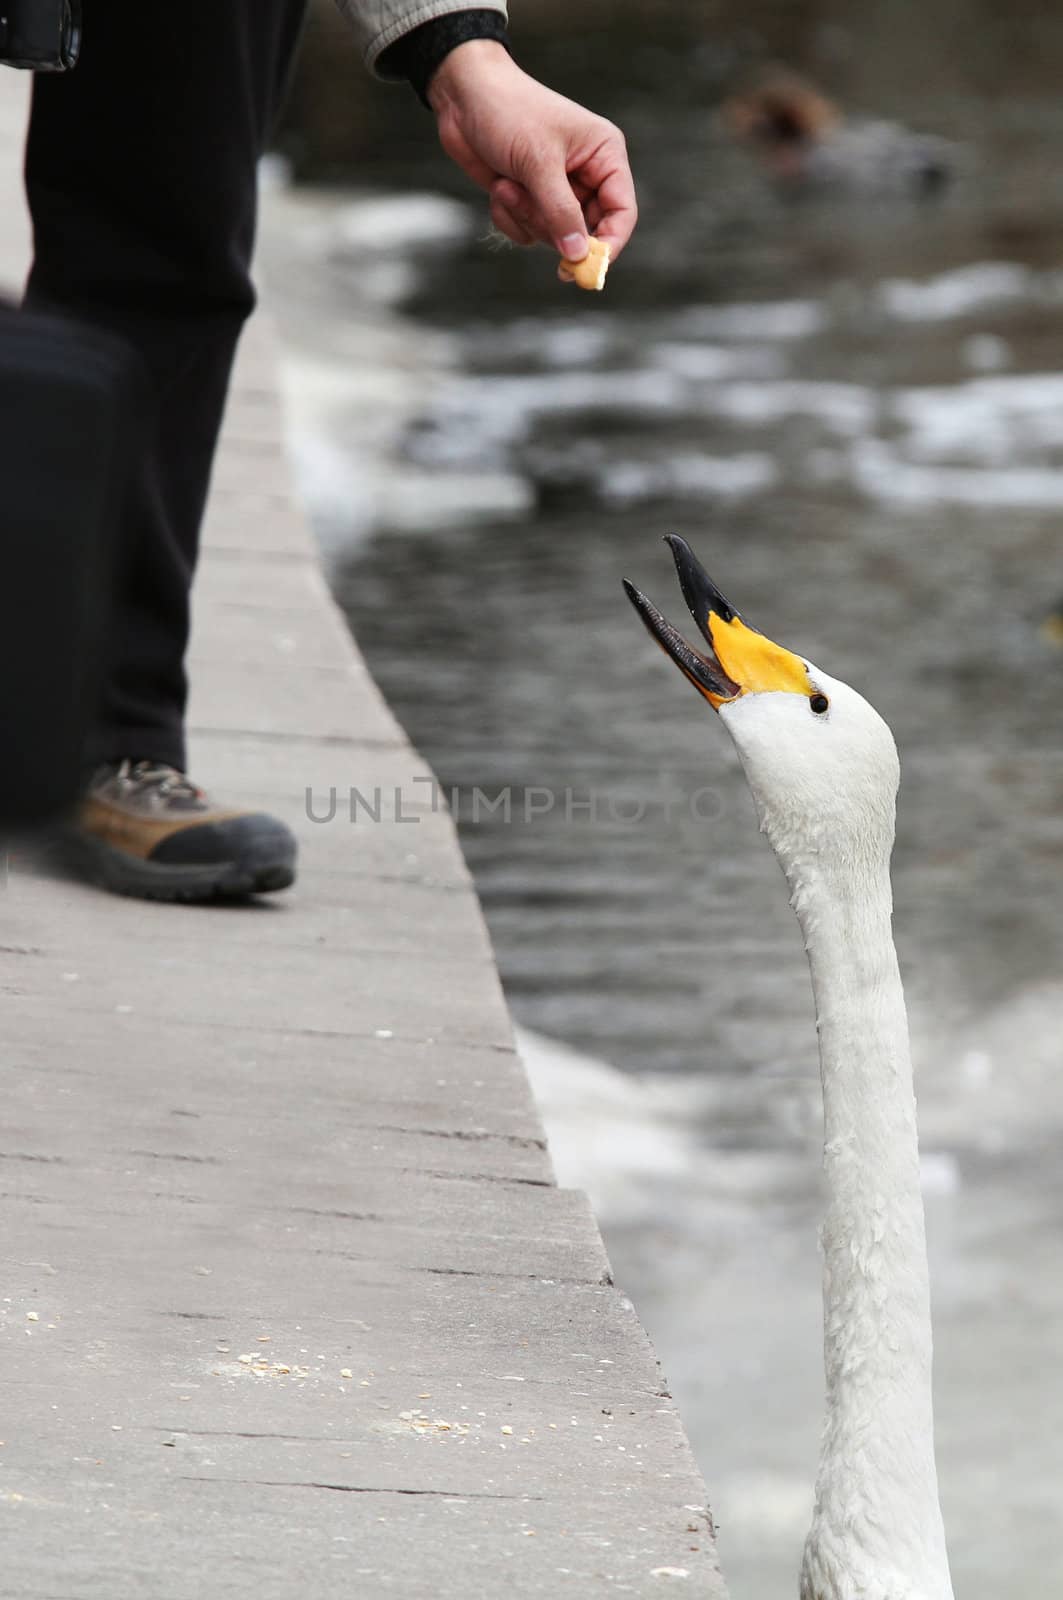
x=418, y=56
x=408, y=38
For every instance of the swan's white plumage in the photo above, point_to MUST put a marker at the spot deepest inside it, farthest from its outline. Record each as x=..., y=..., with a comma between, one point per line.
x=825, y=788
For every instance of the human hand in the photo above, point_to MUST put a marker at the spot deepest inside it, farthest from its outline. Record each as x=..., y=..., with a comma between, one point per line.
x=554, y=171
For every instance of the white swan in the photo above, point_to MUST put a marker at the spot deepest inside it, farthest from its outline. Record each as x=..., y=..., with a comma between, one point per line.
x=823, y=769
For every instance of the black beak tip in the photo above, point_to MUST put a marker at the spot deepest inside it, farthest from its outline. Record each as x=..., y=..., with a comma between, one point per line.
x=699, y=591
x=643, y=606
x=646, y=610
x=706, y=675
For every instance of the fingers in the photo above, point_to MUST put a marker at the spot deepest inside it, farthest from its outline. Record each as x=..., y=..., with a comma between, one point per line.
x=597, y=197
x=556, y=208
x=511, y=212
x=593, y=213
x=509, y=223
x=607, y=174
x=513, y=198
x=617, y=225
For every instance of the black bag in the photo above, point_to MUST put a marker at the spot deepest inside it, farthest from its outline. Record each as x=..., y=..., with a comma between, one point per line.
x=44, y=35
x=71, y=400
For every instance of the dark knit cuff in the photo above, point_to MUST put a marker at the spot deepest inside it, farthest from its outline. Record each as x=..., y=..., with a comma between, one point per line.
x=418, y=54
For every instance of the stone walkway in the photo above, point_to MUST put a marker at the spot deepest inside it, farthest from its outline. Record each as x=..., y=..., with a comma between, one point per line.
x=291, y=1303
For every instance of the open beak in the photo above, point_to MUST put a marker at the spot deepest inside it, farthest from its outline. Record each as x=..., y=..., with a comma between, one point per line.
x=740, y=660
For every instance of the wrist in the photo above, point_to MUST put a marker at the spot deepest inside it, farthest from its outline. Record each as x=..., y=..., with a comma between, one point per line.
x=464, y=69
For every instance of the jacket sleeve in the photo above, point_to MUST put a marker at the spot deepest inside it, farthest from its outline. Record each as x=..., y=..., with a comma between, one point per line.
x=378, y=23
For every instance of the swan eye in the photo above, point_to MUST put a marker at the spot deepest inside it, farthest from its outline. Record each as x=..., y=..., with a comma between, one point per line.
x=819, y=704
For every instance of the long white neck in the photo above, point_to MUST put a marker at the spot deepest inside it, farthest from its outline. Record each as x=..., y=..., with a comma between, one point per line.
x=877, y=1530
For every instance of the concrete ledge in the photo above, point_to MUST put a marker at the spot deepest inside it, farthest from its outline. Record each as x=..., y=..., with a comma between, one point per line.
x=291, y=1304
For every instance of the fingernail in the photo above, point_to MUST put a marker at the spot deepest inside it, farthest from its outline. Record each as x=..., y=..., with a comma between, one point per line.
x=574, y=246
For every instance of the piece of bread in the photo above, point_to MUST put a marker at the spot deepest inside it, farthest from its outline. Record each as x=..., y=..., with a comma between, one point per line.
x=590, y=272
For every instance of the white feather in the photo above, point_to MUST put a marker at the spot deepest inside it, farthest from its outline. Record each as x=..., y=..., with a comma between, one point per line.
x=825, y=788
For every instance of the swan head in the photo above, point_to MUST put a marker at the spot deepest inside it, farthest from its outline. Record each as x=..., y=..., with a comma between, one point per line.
x=821, y=762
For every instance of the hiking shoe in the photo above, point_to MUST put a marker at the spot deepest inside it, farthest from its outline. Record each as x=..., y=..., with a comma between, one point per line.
x=145, y=829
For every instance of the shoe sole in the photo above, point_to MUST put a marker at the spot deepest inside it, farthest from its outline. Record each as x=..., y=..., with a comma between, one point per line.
x=258, y=871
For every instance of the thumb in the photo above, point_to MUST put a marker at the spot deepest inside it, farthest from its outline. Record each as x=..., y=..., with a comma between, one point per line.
x=552, y=196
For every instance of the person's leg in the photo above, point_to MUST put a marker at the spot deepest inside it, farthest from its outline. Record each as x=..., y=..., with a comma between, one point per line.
x=141, y=179
x=140, y=174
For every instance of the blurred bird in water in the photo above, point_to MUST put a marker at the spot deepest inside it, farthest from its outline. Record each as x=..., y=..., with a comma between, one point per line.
x=823, y=769
x=1051, y=629
x=807, y=143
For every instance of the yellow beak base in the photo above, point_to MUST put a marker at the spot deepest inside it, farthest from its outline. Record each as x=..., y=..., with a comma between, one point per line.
x=754, y=662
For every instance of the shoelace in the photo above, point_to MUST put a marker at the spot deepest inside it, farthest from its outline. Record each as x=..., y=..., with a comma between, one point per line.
x=166, y=781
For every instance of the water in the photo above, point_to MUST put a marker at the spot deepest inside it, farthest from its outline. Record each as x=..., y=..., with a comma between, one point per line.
x=853, y=408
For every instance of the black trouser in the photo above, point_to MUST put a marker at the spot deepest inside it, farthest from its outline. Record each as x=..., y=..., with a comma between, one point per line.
x=140, y=173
